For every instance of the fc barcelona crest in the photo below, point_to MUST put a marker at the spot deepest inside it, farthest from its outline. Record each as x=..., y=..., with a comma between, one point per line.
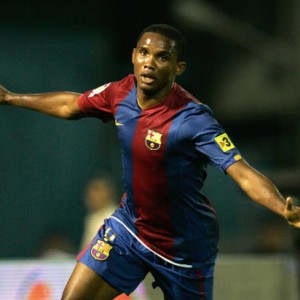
x=100, y=250
x=153, y=139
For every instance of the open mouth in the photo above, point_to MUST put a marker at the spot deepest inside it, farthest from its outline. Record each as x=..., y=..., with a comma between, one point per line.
x=147, y=78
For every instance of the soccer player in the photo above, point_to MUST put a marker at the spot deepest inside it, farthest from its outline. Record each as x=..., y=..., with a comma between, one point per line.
x=164, y=224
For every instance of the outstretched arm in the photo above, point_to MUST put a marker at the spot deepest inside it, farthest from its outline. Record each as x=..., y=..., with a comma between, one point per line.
x=57, y=104
x=260, y=189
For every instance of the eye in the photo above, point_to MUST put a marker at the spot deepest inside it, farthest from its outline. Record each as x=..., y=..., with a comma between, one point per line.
x=142, y=52
x=163, y=57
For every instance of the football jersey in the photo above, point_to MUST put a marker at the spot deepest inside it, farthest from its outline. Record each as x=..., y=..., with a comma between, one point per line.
x=165, y=151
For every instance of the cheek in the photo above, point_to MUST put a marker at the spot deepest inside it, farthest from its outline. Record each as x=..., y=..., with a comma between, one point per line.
x=168, y=72
x=136, y=67
x=137, y=62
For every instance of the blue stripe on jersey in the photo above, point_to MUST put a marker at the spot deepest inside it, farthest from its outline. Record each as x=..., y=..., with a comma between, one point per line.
x=194, y=221
x=126, y=117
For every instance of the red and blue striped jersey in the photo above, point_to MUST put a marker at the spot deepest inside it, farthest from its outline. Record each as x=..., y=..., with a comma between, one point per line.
x=165, y=151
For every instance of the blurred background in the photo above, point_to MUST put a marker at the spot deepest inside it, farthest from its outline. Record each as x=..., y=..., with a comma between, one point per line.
x=243, y=61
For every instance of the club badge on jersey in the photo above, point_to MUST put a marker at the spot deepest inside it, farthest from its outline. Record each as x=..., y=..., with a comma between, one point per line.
x=100, y=251
x=153, y=139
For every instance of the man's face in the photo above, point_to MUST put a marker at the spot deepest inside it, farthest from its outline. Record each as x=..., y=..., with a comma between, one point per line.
x=155, y=63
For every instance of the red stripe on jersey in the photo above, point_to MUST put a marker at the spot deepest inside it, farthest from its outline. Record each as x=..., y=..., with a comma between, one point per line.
x=209, y=205
x=150, y=187
x=201, y=284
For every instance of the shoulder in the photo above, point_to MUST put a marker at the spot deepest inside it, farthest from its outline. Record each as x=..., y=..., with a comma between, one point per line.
x=192, y=105
x=196, y=117
x=127, y=82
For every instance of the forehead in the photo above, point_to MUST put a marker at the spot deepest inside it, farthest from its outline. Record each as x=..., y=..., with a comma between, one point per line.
x=156, y=40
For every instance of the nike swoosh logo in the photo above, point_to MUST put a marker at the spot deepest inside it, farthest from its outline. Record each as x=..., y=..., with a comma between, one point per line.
x=118, y=124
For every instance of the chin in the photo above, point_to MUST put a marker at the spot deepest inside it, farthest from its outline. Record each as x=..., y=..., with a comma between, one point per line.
x=149, y=91
x=146, y=88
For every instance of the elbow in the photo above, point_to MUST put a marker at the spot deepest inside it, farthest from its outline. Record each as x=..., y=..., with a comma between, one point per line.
x=69, y=113
x=70, y=110
x=71, y=117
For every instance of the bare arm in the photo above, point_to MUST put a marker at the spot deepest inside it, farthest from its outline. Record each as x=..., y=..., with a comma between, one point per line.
x=260, y=189
x=57, y=104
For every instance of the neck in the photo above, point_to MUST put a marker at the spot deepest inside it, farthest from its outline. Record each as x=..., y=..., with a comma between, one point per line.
x=145, y=103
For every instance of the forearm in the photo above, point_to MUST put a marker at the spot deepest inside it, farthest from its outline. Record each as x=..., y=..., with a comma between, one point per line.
x=58, y=104
x=263, y=191
x=257, y=186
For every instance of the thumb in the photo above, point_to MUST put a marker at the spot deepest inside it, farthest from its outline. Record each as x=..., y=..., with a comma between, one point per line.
x=289, y=203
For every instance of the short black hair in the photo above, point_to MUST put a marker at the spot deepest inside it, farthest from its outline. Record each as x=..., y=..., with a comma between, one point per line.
x=170, y=32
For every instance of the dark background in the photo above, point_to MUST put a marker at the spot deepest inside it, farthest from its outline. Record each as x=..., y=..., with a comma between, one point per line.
x=243, y=61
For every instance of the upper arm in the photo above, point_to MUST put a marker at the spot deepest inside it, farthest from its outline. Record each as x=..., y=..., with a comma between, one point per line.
x=97, y=102
x=209, y=138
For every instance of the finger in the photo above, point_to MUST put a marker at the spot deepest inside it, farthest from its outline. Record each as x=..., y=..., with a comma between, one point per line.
x=289, y=203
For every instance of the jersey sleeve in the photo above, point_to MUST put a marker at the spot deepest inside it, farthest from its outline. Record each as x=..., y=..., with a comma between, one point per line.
x=210, y=139
x=98, y=102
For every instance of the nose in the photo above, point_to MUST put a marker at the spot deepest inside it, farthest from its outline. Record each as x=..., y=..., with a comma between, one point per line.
x=149, y=63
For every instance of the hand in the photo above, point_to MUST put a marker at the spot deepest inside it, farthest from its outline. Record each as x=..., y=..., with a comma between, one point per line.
x=3, y=93
x=292, y=213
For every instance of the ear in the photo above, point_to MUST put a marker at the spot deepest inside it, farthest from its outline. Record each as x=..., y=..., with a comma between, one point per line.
x=132, y=55
x=181, y=66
